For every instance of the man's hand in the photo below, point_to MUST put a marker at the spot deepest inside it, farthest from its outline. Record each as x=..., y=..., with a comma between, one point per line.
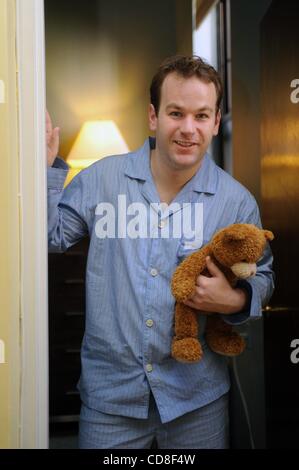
x=214, y=294
x=52, y=140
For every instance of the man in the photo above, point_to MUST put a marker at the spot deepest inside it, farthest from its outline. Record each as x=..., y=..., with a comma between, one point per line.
x=132, y=391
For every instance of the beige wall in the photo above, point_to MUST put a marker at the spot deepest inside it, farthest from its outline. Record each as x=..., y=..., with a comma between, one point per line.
x=9, y=233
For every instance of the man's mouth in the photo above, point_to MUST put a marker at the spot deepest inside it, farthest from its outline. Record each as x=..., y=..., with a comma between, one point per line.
x=185, y=143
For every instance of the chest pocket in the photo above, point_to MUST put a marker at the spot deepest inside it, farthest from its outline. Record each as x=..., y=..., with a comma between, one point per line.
x=188, y=246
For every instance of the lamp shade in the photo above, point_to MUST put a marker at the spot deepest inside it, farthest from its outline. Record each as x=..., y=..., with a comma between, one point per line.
x=96, y=139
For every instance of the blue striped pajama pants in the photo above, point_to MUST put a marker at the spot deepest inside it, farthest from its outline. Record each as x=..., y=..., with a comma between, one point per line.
x=204, y=428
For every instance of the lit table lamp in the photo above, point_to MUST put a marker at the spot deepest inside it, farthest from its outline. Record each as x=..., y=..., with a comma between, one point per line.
x=96, y=139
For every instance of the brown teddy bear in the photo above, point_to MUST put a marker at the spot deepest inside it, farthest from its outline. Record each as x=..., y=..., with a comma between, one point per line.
x=235, y=250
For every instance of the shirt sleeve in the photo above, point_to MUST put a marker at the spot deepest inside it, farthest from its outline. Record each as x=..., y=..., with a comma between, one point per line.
x=260, y=287
x=67, y=208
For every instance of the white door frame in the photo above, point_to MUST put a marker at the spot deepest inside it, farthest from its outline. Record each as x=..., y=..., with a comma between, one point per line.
x=34, y=415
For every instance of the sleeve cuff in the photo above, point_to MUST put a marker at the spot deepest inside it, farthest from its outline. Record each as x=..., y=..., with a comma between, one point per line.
x=57, y=174
x=242, y=316
x=60, y=163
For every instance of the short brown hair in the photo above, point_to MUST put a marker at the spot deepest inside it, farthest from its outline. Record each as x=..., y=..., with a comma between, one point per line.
x=186, y=66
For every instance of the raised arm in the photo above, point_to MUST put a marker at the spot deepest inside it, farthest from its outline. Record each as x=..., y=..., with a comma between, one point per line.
x=52, y=138
x=67, y=208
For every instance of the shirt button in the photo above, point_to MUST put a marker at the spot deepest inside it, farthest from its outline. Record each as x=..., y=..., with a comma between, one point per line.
x=162, y=223
x=154, y=272
x=149, y=367
x=149, y=322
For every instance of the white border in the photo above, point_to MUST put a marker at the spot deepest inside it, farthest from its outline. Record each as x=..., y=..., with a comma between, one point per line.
x=34, y=417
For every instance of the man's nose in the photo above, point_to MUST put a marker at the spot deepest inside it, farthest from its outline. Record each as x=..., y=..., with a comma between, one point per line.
x=188, y=125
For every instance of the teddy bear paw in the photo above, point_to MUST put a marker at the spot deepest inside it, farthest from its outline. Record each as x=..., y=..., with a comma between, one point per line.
x=231, y=344
x=186, y=350
x=183, y=289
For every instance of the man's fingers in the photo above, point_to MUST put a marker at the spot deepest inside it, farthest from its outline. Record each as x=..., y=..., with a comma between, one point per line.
x=199, y=291
x=53, y=137
x=196, y=297
x=191, y=304
x=56, y=138
x=48, y=123
x=52, y=145
x=197, y=306
x=201, y=280
x=56, y=132
x=212, y=268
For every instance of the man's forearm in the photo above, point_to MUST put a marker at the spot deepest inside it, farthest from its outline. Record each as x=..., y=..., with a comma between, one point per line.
x=237, y=301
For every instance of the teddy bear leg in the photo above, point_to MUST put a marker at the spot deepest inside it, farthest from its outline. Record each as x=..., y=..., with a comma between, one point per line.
x=221, y=338
x=185, y=346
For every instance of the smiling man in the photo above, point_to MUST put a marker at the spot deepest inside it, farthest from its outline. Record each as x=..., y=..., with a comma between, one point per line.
x=184, y=114
x=132, y=390
x=184, y=121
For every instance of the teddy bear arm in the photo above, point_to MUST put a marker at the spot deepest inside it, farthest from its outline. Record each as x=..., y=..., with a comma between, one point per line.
x=184, y=278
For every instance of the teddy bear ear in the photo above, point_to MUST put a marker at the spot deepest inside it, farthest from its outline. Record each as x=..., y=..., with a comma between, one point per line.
x=233, y=235
x=268, y=235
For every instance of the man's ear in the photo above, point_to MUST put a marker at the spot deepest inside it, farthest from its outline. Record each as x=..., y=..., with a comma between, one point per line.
x=152, y=118
x=217, y=122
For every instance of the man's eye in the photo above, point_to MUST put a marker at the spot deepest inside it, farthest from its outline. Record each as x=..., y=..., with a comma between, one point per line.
x=175, y=113
x=202, y=116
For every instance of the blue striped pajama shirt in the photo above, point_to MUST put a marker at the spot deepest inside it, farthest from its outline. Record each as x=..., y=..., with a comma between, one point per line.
x=129, y=305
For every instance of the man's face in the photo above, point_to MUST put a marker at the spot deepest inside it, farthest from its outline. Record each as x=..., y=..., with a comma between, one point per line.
x=186, y=121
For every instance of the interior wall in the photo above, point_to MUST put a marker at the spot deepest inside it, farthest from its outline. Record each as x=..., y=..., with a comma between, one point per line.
x=9, y=234
x=101, y=55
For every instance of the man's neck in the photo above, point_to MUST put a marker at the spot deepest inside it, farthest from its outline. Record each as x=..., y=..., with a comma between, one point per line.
x=169, y=181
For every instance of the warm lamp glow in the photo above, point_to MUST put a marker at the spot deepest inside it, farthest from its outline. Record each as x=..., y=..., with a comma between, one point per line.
x=96, y=139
